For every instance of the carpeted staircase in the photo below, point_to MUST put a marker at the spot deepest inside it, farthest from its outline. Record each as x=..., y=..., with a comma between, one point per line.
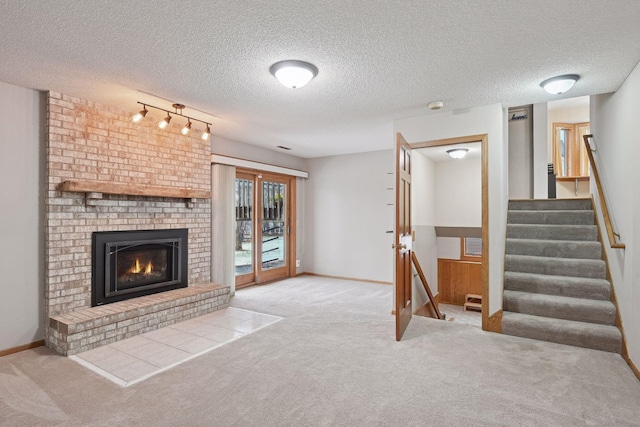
x=555, y=286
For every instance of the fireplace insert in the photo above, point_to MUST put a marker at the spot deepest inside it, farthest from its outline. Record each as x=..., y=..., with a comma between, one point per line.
x=130, y=264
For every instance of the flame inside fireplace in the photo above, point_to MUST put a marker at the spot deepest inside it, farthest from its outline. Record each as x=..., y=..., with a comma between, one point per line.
x=136, y=269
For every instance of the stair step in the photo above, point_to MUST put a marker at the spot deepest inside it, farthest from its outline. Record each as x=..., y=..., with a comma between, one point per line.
x=573, y=217
x=576, y=287
x=472, y=305
x=552, y=232
x=579, y=334
x=591, y=268
x=555, y=248
x=558, y=307
x=550, y=204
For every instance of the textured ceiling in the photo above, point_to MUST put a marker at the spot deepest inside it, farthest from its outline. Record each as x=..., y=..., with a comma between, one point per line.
x=379, y=60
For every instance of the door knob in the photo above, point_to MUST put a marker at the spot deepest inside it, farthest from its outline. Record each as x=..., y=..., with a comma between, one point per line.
x=400, y=246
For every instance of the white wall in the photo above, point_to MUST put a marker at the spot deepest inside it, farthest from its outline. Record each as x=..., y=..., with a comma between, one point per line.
x=520, y=136
x=241, y=150
x=449, y=247
x=423, y=221
x=540, y=151
x=614, y=124
x=458, y=193
x=347, y=216
x=567, y=189
x=489, y=119
x=22, y=249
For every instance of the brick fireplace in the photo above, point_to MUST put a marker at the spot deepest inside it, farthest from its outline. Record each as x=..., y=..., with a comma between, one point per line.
x=106, y=174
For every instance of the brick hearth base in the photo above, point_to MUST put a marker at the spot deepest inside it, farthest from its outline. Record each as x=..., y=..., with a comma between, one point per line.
x=88, y=328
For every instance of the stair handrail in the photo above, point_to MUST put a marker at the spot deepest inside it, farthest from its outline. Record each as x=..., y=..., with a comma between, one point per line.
x=423, y=279
x=603, y=202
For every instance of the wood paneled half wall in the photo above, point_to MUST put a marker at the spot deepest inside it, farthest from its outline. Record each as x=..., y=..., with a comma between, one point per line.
x=458, y=278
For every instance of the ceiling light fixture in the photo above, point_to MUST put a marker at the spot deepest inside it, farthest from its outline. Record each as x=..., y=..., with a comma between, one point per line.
x=436, y=105
x=141, y=115
x=187, y=128
x=457, y=153
x=293, y=73
x=560, y=84
x=162, y=124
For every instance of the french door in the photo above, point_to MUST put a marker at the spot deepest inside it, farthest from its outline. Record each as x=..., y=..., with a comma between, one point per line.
x=265, y=231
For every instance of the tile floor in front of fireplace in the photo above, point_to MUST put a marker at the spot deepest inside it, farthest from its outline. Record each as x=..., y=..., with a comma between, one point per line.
x=135, y=359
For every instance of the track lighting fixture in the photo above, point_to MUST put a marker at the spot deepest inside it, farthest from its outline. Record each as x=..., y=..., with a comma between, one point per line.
x=162, y=124
x=187, y=128
x=141, y=115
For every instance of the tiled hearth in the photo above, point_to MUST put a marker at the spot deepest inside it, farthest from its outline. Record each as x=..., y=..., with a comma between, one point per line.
x=99, y=147
x=134, y=359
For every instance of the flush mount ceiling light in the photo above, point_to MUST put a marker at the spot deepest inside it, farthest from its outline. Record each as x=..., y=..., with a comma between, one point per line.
x=436, y=105
x=559, y=84
x=162, y=124
x=292, y=73
x=457, y=153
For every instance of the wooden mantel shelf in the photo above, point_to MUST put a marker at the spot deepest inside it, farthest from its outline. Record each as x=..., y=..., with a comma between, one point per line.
x=132, y=189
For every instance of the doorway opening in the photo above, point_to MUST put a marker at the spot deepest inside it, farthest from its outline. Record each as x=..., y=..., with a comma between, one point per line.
x=569, y=169
x=456, y=220
x=463, y=230
x=265, y=227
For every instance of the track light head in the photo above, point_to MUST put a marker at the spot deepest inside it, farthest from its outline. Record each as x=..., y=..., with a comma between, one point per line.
x=141, y=115
x=207, y=133
x=164, y=122
x=187, y=128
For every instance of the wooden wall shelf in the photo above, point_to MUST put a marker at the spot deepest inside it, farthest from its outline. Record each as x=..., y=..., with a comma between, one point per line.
x=572, y=178
x=95, y=189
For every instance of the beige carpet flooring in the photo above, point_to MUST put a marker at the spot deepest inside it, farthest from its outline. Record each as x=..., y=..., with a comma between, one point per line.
x=333, y=361
x=457, y=314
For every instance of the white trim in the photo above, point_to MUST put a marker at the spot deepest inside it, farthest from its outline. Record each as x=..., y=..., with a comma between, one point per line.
x=250, y=164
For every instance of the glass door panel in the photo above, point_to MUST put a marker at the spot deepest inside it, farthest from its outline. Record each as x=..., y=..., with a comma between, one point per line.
x=244, y=254
x=273, y=224
x=273, y=229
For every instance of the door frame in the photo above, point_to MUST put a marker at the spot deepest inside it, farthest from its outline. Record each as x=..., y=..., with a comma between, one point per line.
x=489, y=323
x=291, y=215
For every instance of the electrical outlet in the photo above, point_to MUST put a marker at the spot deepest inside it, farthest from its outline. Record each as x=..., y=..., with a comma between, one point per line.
x=297, y=263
